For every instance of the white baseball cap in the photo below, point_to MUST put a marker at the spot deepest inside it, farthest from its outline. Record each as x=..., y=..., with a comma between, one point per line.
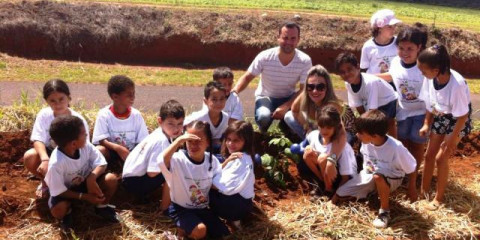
x=383, y=18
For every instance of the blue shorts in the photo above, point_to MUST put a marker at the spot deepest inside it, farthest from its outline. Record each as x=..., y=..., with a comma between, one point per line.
x=409, y=128
x=231, y=208
x=141, y=186
x=390, y=109
x=187, y=219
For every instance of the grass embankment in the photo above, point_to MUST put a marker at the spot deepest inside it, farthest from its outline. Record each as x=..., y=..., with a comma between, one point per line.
x=20, y=69
x=457, y=16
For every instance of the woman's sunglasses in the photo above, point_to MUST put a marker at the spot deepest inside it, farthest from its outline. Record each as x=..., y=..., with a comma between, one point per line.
x=320, y=87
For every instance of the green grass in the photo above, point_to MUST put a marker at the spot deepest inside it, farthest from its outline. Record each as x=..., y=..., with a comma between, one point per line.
x=409, y=12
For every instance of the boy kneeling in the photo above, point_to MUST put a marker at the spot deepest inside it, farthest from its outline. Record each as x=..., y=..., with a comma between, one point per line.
x=76, y=171
x=385, y=163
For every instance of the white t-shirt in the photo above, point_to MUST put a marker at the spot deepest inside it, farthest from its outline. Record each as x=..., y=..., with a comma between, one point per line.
x=190, y=181
x=408, y=82
x=276, y=80
x=126, y=132
x=347, y=163
x=374, y=92
x=233, y=107
x=377, y=59
x=144, y=157
x=453, y=98
x=202, y=115
x=237, y=177
x=65, y=172
x=391, y=159
x=41, y=127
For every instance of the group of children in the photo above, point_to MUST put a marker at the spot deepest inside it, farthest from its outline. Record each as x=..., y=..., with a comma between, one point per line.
x=203, y=162
x=426, y=101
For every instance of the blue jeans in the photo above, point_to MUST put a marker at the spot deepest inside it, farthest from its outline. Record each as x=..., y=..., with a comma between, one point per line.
x=294, y=125
x=264, y=107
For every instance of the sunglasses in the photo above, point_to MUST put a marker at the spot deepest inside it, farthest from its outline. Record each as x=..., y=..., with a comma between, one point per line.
x=320, y=87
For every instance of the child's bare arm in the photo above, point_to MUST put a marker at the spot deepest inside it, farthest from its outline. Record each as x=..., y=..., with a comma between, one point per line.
x=41, y=149
x=452, y=139
x=344, y=179
x=119, y=149
x=94, y=199
x=385, y=76
x=170, y=150
x=426, y=124
x=91, y=181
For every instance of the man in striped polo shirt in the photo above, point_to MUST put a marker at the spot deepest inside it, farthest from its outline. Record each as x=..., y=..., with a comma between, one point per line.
x=281, y=68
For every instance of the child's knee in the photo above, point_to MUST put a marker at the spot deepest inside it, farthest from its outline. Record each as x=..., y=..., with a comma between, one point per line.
x=111, y=180
x=60, y=209
x=31, y=160
x=199, y=232
x=379, y=179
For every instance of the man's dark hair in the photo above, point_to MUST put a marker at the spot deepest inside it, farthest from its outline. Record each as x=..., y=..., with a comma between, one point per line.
x=289, y=25
x=65, y=129
x=172, y=108
x=222, y=72
x=372, y=122
x=119, y=83
x=345, y=57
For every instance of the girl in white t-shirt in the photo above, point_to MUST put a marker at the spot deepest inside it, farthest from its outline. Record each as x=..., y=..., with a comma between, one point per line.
x=378, y=52
x=447, y=99
x=232, y=198
x=57, y=95
x=189, y=175
x=333, y=172
x=408, y=80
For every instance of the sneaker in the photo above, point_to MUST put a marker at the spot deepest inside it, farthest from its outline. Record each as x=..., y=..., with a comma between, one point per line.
x=66, y=223
x=382, y=220
x=108, y=213
x=42, y=191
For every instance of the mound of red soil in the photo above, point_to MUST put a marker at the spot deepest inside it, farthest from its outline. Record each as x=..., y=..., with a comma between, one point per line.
x=146, y=35
x=13, y=145
x=469, y=145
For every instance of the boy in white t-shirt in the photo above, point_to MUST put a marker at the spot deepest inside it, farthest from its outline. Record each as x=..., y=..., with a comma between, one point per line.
x=385, y=163
x=366, y=91
x=233, y=106
x=77, y=171
x=119, y=127
x=141, y=171
x=214, y=98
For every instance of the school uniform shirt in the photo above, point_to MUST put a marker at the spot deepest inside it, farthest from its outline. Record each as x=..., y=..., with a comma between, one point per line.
x=233, y=107
x=276, y=80
x=126, y=132
x=188, y=180
x=453, y=98
x=202, y=115
x=391, y=159
x=41, y=127
x=65, y=172
x=408, y=82
x=237, y=177
x=377, y=58
x=373, y=93
x=144, y=157
x=347, y=163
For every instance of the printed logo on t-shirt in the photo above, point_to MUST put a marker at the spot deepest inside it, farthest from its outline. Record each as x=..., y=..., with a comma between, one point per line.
x=77, y=180
x=196, y=196
x=384, y=64
x=408, y=92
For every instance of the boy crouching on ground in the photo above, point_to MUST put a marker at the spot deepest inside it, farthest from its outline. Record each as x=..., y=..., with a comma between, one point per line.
x=385, y=163
x=76, y=171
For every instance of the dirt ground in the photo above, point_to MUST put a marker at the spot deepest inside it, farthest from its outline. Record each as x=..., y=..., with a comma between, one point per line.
x=18, y=207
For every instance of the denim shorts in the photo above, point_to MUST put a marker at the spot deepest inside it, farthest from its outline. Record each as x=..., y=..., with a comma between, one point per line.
x=409, y=128
x=390, y=109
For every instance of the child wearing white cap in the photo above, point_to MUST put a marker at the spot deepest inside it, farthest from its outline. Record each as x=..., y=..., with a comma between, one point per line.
x=378, y=51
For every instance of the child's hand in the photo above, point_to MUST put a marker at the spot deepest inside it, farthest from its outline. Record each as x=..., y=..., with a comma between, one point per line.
x=309, y=153
x=423, y=131
x=187, y=137
x=122, y=151
x=93, y=188
x=43, y=168
x=233, y=156
x=93, y=199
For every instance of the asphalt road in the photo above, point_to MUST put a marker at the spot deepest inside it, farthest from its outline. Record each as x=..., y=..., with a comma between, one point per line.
x=148, y=98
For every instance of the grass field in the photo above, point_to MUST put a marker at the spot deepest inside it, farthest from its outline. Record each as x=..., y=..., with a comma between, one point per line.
x=20, y=69
x=409, y=12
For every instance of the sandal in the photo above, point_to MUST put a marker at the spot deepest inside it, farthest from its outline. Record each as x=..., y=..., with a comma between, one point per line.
x=42, y=191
